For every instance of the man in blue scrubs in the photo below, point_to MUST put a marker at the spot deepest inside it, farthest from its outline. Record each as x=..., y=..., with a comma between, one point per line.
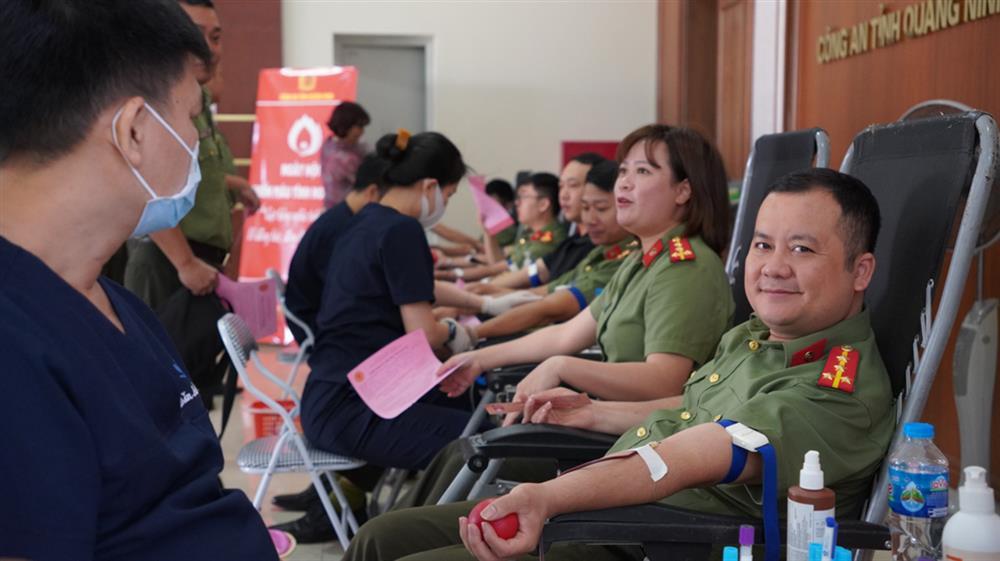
x=308, y=266
x=108, y=454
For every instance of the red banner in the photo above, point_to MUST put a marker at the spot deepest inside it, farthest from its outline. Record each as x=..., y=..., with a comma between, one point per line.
x=293, y=106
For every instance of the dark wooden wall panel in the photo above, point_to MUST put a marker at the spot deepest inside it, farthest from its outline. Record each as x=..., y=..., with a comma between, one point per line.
x=733, y=79
x=251, y=41
x=878, y=86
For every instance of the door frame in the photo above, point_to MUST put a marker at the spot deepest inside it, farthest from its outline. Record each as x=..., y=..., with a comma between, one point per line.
x=426, y=42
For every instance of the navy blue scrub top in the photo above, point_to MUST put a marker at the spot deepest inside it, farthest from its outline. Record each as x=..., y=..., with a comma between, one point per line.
x=107, y=450
x=309, y=263
x=381, y=263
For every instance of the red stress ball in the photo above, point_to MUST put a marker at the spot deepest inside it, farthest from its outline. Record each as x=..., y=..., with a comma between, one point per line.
x=505, y=528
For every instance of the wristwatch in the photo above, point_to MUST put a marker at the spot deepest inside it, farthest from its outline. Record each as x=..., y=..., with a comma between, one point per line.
x=452, y=329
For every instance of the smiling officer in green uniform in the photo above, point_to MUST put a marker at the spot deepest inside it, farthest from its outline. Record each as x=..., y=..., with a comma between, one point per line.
x=804, y=372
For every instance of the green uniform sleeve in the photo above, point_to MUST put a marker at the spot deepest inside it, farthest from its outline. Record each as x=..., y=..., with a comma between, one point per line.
x=684, y=314
x=588, y=282
x=561, y=280
x=596, y=307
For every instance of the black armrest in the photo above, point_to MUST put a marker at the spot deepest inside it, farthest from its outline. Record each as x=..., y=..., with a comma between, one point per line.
x=688, y=532
x=498, y=379
x=566, y=445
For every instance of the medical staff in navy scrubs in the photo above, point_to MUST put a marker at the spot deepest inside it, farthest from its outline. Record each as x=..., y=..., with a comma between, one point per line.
x=308, y=266
x=108, y=453
x=380, y=286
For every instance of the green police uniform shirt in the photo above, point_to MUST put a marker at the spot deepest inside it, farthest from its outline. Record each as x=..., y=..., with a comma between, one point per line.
x=828, y=391
x=674, y=299
x=594, y=272
x=536, y=244
x=507, y=236
x=209, y=222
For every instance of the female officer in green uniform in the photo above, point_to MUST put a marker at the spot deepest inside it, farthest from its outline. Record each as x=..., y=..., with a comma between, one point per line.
x=667, y=306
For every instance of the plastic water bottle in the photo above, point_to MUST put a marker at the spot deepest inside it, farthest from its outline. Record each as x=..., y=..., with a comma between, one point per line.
x=918, y=495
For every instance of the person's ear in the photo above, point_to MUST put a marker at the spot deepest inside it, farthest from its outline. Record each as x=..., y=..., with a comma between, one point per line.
x=683, y=193
x=864, y=269
x=129, y=129
x=428, y=185
x=371, y=193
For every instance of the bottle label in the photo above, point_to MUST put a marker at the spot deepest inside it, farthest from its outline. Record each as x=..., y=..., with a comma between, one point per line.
x=805, y=524
x=918, y=495
x=955, y=554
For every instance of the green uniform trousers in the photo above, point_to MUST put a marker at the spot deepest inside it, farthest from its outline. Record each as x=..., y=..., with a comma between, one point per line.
x=430, y=533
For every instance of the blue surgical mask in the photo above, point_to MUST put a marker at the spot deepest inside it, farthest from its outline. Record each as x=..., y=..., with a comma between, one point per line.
x=163, y=212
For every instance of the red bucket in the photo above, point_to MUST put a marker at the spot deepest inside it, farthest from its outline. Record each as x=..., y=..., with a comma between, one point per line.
x=264, y=421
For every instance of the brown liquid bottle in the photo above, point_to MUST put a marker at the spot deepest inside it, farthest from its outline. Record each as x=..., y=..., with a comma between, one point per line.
x=809, y=505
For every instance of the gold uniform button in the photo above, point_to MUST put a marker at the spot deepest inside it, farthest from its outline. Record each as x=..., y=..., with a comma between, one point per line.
x=714, y=377
x=588, y=269
x=522, y=241
x=686, y=416
x=641, y=432
x=716, y=418
x=754, y=345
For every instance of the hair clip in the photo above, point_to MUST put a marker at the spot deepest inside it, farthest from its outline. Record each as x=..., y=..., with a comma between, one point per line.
x=402, y=139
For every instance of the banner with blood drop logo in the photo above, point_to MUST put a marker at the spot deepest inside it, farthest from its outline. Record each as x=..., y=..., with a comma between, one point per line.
x=293, y=107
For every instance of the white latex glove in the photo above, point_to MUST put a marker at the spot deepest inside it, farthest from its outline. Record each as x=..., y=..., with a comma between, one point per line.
x=463, y=341
x=496, y=305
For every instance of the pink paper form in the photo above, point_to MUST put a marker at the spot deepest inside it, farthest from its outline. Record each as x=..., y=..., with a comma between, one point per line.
x=255, y=302
x=492, y=214
x=398, y=375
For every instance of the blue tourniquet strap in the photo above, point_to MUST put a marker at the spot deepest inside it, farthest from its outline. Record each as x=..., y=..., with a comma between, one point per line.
x=772, y=537
x=581, y=300
x=535, y=280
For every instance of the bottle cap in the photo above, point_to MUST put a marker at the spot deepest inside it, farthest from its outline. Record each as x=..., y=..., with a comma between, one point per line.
x=730, y=554
x=811, y=475
x=815, y=551
x=975, y=496
x=918, y=430
x=746, y=534
x=842, y=554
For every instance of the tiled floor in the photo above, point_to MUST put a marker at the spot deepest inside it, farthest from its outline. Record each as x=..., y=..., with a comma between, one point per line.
x=240, y=431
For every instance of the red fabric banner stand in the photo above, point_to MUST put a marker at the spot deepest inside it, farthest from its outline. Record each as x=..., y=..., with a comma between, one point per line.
x=293, y=106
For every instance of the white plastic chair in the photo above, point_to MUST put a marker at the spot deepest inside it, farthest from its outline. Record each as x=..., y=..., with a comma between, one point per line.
x=299, y=357
x=288, y=452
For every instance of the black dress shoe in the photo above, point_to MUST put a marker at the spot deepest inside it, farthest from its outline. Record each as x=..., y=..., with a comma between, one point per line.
x=315, y=527
x=303, y=500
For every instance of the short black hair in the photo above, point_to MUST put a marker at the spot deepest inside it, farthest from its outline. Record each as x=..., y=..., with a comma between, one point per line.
x=204, y=3
x=425, y=155
x=588, y=158
x=64, y=62
x=603, y=175
x=547, y=187
x=371, y=170
x=860, y=218
x=500, y=189
x=346, y=116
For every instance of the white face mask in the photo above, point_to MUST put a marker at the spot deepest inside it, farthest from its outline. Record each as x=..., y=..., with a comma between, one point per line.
x=163, y=212
x=427, y=218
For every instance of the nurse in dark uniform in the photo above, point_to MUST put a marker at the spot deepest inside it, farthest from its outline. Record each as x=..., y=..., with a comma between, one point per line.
x=380, y=286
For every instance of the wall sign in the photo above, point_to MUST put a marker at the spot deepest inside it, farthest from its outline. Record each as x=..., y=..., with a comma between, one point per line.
x=890, y=27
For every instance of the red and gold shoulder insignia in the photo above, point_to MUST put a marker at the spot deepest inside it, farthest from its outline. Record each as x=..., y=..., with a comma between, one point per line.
x=808, y=354
x=541, y=236
x=841, y=369
x=652, y=254
x=680, y=250
x=615, y=252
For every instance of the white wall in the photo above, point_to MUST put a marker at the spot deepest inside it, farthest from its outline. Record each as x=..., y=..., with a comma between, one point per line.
x=509, y=80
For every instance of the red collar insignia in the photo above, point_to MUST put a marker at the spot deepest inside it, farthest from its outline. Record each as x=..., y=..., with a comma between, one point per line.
x=809, y=354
